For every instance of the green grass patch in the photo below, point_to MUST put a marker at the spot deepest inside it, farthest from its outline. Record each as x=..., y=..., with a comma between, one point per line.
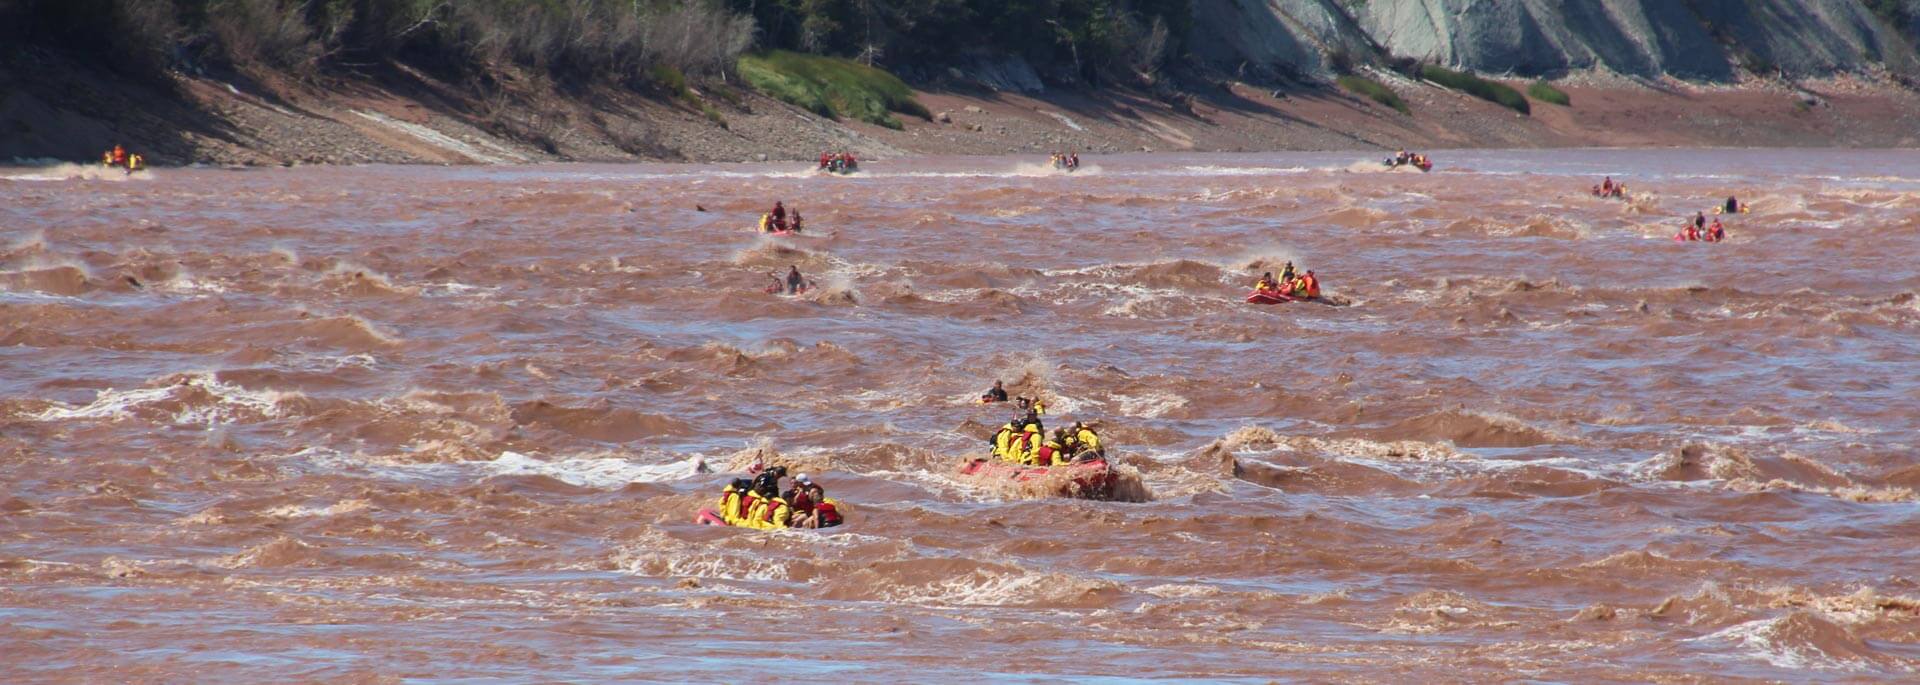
x=1490, y=91
x=670, y=80
x=831, y=87
x=1374, y=90
x=1545, y=92
x=713, y=115
x=726, y=94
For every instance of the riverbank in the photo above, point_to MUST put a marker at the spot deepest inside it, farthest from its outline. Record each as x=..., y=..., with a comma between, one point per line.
x=57, y=109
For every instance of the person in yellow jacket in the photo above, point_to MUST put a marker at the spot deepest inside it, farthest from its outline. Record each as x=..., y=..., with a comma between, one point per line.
x=769, y=513
x=744, y=508
x=1085, y=440
x=729, y=508
x=1029, y=443
x=1053, y=452
x=135, y=162
x=1003, y=440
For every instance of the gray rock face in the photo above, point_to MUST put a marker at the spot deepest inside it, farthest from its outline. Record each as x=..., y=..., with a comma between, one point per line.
x=1692, y=39
x=1636, y=37
x=1804, y=37
x=1290, y=37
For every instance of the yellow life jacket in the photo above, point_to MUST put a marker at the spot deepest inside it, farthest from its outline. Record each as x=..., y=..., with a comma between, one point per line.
x=1039, y=408
x=766, y=223
x=778, y=515
x=1011, y=454
x=1031, y=446
x=1087, y=439
x=1002, y=441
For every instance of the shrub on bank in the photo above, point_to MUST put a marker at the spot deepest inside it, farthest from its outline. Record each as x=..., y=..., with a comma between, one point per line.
x=574, y=41
x=1375, y=90
x=832, y=87
x=1545, y=92
x=1498, y=93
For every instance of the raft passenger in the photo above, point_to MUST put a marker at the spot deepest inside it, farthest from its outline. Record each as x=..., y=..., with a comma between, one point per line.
x=997, y=393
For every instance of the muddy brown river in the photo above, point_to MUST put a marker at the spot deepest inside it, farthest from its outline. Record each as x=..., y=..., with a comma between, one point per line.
x=452, y=425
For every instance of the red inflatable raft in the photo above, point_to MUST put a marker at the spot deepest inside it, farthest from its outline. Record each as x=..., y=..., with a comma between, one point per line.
x=1267, y=297
x=1091, y=479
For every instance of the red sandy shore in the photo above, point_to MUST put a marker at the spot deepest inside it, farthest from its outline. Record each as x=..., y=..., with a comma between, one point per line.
x=69, y=112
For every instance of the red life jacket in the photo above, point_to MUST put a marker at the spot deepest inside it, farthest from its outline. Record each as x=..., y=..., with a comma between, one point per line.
x=747, y=500
x=827, y=513
x=1047, y=453
x=801, y=502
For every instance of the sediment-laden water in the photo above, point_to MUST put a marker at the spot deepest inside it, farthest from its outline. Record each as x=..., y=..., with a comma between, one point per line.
x=427, y=424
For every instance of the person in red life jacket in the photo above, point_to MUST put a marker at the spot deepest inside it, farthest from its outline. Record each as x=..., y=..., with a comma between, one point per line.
x=1053, y=452
x=1688, y=233
x=1716, y=232
x=826, y=511
x=800, y=499
x=1309, y=286
x=779, y=215
x=119, y=156
x=826, y=159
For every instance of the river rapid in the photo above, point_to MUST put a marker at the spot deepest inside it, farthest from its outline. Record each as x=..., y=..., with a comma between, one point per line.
x=414, y=424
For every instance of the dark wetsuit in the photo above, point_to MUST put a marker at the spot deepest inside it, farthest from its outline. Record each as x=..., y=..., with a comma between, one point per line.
x=997, y=395
x=793, y=282
x=767, y=482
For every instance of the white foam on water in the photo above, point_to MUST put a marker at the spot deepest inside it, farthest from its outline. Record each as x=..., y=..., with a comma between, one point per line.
x=1760, y=640
x=80, y=172
x=605, y=473
x=1151, y=405
x=302, y=511
x=233, y=403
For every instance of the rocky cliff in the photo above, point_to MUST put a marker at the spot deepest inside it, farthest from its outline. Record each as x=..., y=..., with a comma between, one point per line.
x=1705, y=40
